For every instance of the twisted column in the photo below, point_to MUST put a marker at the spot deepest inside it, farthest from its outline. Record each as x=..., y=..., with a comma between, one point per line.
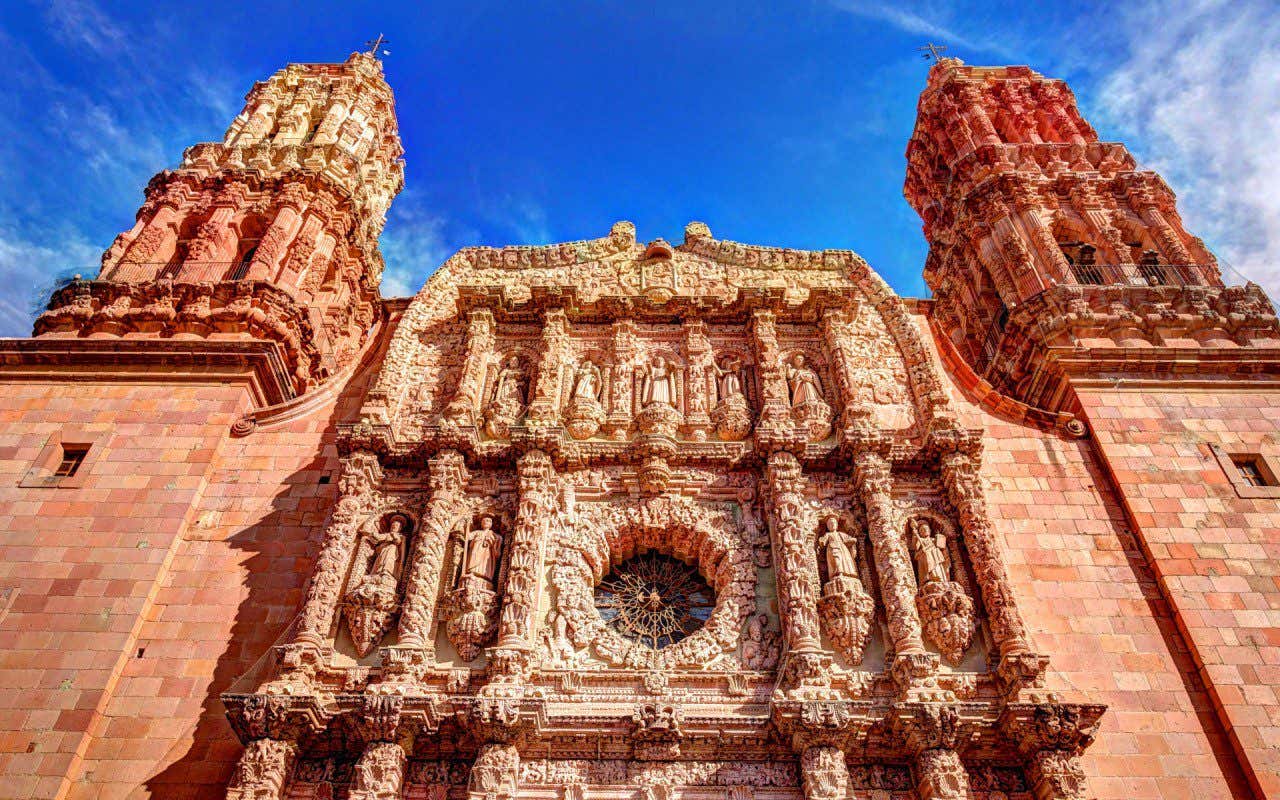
x=964, y=490
x=536, y=482
x=796, y=567
x=447, y=476
x=465, y=405
x=872, y=476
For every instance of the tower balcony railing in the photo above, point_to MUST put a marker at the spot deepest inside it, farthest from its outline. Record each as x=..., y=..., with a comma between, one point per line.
x=180, y=271
x=1140, y=275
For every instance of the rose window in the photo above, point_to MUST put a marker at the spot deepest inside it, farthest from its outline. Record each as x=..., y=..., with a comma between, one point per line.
x=655, y=599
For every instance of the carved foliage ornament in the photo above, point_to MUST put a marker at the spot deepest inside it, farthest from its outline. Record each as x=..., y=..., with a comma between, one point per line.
x=607, y=533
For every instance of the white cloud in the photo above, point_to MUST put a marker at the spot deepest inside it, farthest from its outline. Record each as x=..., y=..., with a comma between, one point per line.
x=927, y=19
x=413, y=245
x=31, y=270
x=83, y=23
x=1198, y=95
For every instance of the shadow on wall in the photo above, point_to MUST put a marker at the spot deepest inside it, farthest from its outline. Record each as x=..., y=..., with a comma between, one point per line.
x=282, y=549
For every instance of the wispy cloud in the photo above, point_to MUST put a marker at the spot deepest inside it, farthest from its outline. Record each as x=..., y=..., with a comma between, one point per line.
x=82, y=23
x=925, y=19
x=413, y=245
x=1198, y=94
x=30, y=270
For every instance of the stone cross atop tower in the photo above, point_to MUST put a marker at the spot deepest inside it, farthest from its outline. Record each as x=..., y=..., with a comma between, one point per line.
x=1027, y=213
x=270, y=234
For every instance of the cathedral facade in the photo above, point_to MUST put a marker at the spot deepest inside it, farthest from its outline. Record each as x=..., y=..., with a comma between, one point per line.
x=619, y=519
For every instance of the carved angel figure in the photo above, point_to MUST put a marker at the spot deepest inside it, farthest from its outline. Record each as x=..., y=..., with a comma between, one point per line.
x=842, y=561
x=932, y=563
x=658, y=383
x=586, y=382
x=509, y=388
x=483, y=548
x=729, y=379
x=803, y=382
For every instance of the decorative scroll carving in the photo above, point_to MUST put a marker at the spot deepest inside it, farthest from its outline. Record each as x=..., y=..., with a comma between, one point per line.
x=846, y=608
x=658, y=731
x=944, y=606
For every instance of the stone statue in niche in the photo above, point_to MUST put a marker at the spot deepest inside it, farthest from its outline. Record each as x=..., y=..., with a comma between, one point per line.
x=846, y=607
x=760, y=648
x=373, y=588
x=808, y=408
x=658, y=383
x=585, y=412
x=560, y=651
x=510, y=396
x=946, y=610
x=732, y=414
x=472, y=606
x=659, y=413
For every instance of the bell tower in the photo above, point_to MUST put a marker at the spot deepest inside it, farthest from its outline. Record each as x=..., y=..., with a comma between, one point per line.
x=1049, y=250
x=269, y=236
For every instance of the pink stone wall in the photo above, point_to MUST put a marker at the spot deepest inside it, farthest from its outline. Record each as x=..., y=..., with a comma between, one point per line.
x=144, y=593
x=1092, y=604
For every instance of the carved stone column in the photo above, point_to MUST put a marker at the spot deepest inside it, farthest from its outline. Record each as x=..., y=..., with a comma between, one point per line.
x=964, y=489
x=836, y=333
x=624, y=349
x=361, y=474
x=379, y=774
x=465, y=405
x=930, y=732
x=796, y=565
x=544, y=404
x=536, y=482
x=447, y=475
x=1052, y=738
x=263, y=771
x=327, y=133
x=698, y=398
x=872, y=476
x=495, y=772
x=824, y=773
x=775, y=407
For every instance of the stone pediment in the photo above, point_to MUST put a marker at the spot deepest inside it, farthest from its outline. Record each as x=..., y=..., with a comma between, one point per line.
x=827, y=306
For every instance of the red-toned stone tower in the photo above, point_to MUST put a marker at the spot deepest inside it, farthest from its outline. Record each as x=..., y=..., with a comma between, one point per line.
x=1069, y=295
x=1051, y=253
x=267, y=239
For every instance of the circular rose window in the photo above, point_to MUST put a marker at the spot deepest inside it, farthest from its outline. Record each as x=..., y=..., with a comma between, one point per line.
x=654, y=599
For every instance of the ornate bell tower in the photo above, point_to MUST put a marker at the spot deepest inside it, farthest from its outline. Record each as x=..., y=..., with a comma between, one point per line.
x=265, y=241
x=1050, y=251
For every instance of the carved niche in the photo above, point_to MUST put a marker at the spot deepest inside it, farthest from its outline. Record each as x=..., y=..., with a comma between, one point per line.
x=944, y=603
x=845, y=607
x=731, y=413
x=471, y=603
x=507, y=397
x=372, y=593
x=806, y=395
x=604, y=534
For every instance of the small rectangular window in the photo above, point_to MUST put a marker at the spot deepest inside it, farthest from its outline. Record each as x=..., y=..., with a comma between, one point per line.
x=1253, y=471
x=72, y=459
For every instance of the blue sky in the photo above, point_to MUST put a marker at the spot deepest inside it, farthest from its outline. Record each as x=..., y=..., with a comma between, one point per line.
x=528, y=123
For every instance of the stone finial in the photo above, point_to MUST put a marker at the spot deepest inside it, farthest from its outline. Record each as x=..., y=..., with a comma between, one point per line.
x=696, y=230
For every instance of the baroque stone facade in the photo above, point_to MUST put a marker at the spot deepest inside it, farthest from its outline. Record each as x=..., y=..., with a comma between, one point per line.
x=615, y=518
